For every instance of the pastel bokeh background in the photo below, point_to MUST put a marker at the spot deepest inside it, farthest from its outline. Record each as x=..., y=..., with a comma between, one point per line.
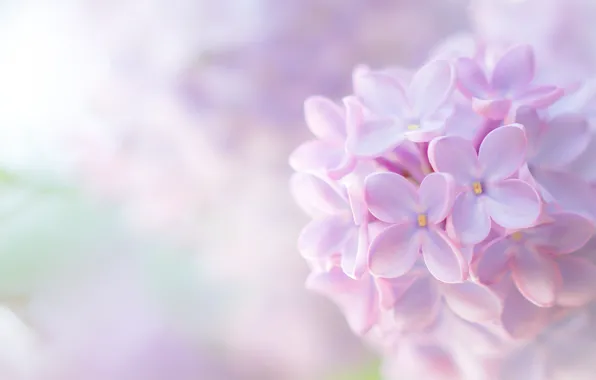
x=147, y=229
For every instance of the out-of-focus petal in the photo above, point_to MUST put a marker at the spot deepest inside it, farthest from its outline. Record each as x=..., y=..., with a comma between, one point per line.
x=390, y=197
x=579, y=281
x=562, y=141
x=512, y=204
x=325, y=119
x=315, y=195
x=472, y=302
x=567, y=233
x=471, y=79
x=539, y=97
x=502, y=152
x=514, y=71
x=431, y=87
x=419, y=305
x=323, y=237
x=381, y=93
x=494, y=109
x=491, y=263
x=522, y=319
x=394, y=251
x=536, y=276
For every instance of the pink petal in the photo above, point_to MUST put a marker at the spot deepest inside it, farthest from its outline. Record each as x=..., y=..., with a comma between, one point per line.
x=442, y=258
x=496, y=164
x=539, y=97
x=472, y=302
x=470, y=220
x=325, y=119
x=536, y=276
x=323, y=237
x=512, y=204
x=436, y=195
x=563, y=140
x=318, y=156
x=533, y=126
x=370, y=138
x=579, y=282
x=568, y=191
x=354, y=252
x=456, y=156
x=391, y=290
x=522, y=319
x=492, y=262
x=394, y=251
x=493, y=109
x=566, y=234
x=431, y=86
x=464, y=123
x=514, y=71
x=583, y=165
x=419, y=305
x=357, y=298
x=390, y=197
x=429, y=129
x=471, y=80
x=381, y=93
x=315, y=195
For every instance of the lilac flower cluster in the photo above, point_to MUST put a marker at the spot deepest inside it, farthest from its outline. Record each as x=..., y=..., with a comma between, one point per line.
x=451, y=207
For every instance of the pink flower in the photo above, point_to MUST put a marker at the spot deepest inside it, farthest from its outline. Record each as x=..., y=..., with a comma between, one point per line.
x=327, y=155
x=397, y=113
x=488, y=193
x=494, y=90
x=415, y=215
x=535, y=257
x=337, y=231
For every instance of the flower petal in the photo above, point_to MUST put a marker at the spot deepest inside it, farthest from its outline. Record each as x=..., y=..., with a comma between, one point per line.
x=563, y=140
x=431, y=87
x=539, y=97
x=442, y=258
x=394, y=251
x=315, y=196
x=492, y=262
x=391, y=290
x=354, y=252
x=323, y=237
x=370, y=138
x=536, y=276
x=325, y=119
x=493, y=109
x=454, y=155
x=566, y=234
x=568, y=191
x=317, y=156
x=419, y=305
x=436, y=194
x=512, y=204
x=472, y=302
x=522, y=319
x=495, y=162
x=471, y=80
x=381, y=93
x=579, y=281
x=533, y=127
x=470, y=220
x=514, y=71
x=390, y=197
x=583, y=165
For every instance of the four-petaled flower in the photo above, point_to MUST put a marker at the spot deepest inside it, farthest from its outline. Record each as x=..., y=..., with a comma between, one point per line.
x=384, y=113
x=496, y=88
x=487, y=191
x=415, y=215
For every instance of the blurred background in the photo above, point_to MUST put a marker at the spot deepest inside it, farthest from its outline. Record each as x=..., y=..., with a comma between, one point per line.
x=146, y=228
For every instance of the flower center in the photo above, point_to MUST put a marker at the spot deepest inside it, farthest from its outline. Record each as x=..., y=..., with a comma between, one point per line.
x=477, y=188
x=413, y=127
x=517, y=236
x=422, y=222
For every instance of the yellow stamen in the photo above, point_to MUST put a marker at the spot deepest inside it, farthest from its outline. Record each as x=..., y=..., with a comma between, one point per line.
x=477, y=187
x=413, y=127
x=422, y=220
x=517, y=236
